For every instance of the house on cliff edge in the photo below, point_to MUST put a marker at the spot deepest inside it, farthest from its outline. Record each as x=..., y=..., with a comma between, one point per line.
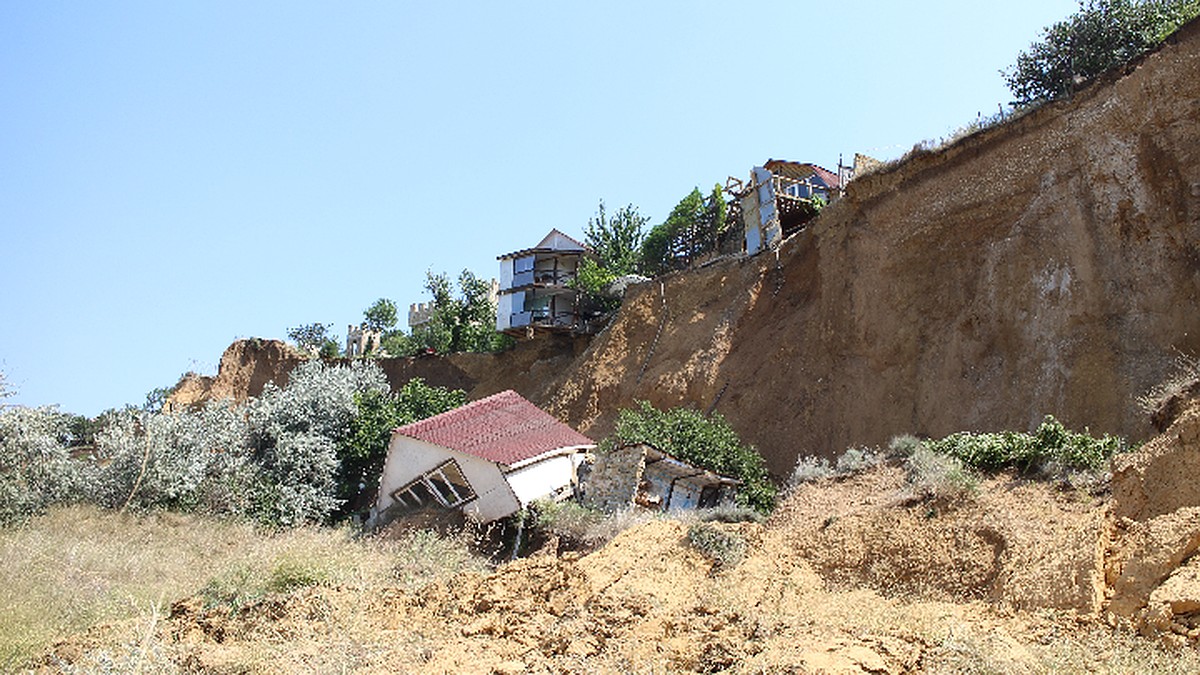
x=780, y=198
x=536, y=290
x=489, y=459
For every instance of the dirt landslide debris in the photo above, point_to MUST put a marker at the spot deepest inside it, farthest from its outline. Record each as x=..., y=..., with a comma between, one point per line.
x=851, y=575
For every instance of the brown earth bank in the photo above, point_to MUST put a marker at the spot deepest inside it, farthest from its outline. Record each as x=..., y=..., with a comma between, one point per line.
x=1050, y=265
x=850, y=575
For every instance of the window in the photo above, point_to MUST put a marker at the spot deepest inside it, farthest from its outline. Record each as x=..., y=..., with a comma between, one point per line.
x=446, y=486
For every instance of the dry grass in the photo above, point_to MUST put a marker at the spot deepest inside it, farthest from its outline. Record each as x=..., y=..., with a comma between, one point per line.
x=319, y=600
x=80, y=567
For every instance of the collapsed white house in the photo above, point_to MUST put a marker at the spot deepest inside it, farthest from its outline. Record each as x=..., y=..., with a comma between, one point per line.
x=489, y=458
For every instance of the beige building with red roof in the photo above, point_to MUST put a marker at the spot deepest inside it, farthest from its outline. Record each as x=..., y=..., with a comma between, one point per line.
x=489, y=458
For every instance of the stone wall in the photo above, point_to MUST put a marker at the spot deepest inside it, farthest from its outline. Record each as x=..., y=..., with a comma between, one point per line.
x=614, y=477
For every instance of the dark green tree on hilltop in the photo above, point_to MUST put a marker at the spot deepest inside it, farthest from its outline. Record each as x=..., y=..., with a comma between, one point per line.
x=1103, y=34
x=462, y=322
x=381, y=315
x=315, y=338
x=690, y=231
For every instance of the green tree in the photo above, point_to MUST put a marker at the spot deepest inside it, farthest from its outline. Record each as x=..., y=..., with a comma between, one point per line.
x=708, y=442
x=617, y=240
x=465, y=322
x=713, y=222
x=681, y=237
x=1101, y=35
x=363, y=448
x=330, y=349
x=157, y=398
x=593, y=280
x=311, y=337
x=381, y=315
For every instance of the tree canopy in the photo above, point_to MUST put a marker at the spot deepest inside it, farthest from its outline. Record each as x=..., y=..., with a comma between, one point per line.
x=381, y=315
x=1103, y=34
x=617, y=239
x=363, y=448
x=462, y=322
x=315, y=338
x=691, y=230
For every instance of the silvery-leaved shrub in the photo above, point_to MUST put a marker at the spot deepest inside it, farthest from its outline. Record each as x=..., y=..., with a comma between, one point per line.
x=296, y=480
x=188, y=460
x=318, y=399
x=810, y=469
x=294, y=432
x=35, y=467
x=934, y=475
x=855, y=460
x=273, y=458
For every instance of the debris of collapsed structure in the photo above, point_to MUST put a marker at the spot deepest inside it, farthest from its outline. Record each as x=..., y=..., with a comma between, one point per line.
x=639, y=474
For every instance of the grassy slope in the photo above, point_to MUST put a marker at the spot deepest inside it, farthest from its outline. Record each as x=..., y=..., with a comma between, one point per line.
x=76, y=568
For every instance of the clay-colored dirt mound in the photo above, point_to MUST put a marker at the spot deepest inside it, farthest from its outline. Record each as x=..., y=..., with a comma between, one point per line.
x=1152, y=566
x=1161, y=476
x=649, y=601
x=1019, y=543
x=646, y=602
x=246, y=367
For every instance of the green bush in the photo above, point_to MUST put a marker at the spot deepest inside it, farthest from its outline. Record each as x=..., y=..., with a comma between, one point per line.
x=292, y=573
x=1052, y=443
x=724, y=549
x=938, y=476
x=363, y=447
x=234, y=588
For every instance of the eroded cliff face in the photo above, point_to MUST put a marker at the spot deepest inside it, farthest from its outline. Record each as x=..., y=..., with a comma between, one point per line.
x=1047, y=266
x=245, y=368
x=533, y=367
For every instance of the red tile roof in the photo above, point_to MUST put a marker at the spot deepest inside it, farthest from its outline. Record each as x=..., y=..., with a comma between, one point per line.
x=503, y=428
x=830, y=178
x=800, y=170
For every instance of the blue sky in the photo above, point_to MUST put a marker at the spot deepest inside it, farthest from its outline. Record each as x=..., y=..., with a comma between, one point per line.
x=174, y=176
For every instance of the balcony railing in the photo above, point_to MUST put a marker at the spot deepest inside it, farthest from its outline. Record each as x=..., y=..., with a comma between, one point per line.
x=541, y=318
x=543, y=277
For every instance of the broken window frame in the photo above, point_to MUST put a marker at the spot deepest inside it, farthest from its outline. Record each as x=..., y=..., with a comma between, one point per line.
x=444, y=484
